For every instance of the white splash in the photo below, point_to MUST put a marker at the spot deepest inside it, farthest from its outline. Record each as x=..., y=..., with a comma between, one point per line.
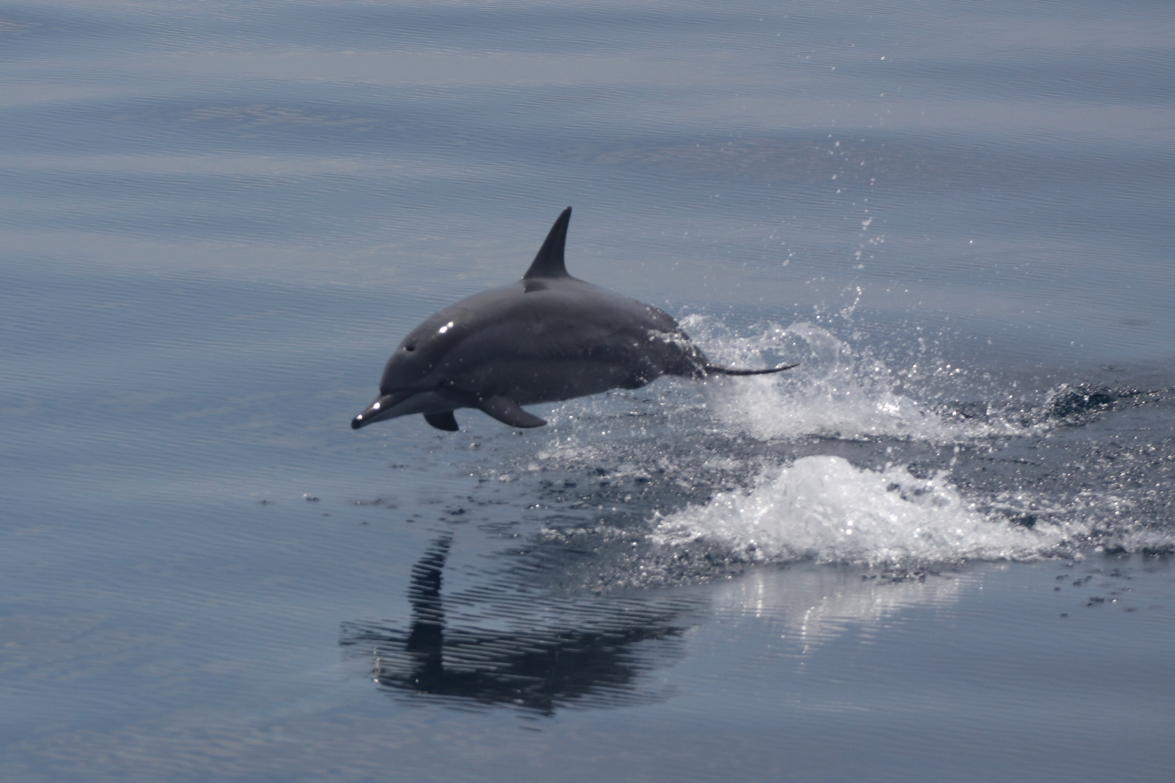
x=836, y=391
x=823, y=508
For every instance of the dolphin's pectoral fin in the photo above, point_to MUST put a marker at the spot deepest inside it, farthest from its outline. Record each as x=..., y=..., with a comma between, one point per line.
x=509, y=412
x=442, y=421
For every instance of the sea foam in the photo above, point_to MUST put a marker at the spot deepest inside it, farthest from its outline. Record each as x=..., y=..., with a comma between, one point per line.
x=824, y=508
x=837, y=390
x=848, y=458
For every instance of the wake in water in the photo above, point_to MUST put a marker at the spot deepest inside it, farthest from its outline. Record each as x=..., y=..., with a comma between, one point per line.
x=842, y=392
x=823, y=508
x=852, y=459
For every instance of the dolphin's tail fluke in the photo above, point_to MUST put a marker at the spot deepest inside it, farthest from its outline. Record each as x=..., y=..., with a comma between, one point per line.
x=715, y=369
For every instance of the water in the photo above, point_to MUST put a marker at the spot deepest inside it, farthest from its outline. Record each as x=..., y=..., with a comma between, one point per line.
x=938, y=548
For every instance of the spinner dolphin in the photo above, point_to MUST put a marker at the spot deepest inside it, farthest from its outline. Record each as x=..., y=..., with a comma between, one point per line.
x=546, y=338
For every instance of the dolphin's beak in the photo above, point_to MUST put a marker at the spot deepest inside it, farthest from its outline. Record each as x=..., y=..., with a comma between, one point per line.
x=377, y=410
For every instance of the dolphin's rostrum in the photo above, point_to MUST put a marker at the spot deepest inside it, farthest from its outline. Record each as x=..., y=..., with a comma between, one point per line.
x=545, y=338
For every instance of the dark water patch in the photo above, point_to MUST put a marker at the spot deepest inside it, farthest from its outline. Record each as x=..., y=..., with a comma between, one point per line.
x=1073, y=404
x=1082, y=401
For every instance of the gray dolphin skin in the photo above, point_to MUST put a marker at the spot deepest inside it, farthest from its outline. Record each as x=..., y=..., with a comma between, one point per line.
x=546, y=338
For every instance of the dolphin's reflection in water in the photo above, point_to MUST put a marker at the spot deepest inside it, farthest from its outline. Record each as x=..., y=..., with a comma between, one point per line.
x=588, y=654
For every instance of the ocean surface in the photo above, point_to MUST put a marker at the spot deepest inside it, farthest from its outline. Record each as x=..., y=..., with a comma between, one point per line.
x=941, y=548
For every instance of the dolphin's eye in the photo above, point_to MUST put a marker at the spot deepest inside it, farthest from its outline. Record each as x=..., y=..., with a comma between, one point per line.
x=410, y=347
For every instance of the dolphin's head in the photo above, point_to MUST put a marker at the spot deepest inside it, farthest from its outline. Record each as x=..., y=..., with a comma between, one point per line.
x=414, y=377
x=399, y=403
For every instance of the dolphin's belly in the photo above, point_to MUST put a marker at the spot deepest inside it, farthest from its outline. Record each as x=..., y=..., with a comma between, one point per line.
x=554, y=379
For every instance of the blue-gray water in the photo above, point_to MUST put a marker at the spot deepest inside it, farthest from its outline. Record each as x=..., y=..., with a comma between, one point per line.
x=937, y=550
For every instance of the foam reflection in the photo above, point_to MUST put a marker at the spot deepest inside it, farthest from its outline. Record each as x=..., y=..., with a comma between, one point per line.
x=809, y=605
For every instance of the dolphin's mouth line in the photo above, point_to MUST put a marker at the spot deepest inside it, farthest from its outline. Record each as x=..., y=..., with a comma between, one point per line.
x=386, y=402
x=407, y=391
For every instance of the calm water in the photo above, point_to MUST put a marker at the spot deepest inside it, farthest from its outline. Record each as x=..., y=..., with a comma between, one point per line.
x=939, y=549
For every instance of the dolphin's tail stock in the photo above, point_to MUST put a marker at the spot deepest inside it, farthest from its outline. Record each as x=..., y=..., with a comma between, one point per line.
x=714, y=369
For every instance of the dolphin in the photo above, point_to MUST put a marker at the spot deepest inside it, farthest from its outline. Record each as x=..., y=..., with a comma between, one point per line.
x=546, y=338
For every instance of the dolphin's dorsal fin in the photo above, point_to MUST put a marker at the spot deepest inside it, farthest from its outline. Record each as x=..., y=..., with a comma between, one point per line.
x=549, y=260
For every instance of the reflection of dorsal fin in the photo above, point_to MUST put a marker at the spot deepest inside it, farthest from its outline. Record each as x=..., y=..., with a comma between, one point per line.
x=427, y=637
x=549, y=260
